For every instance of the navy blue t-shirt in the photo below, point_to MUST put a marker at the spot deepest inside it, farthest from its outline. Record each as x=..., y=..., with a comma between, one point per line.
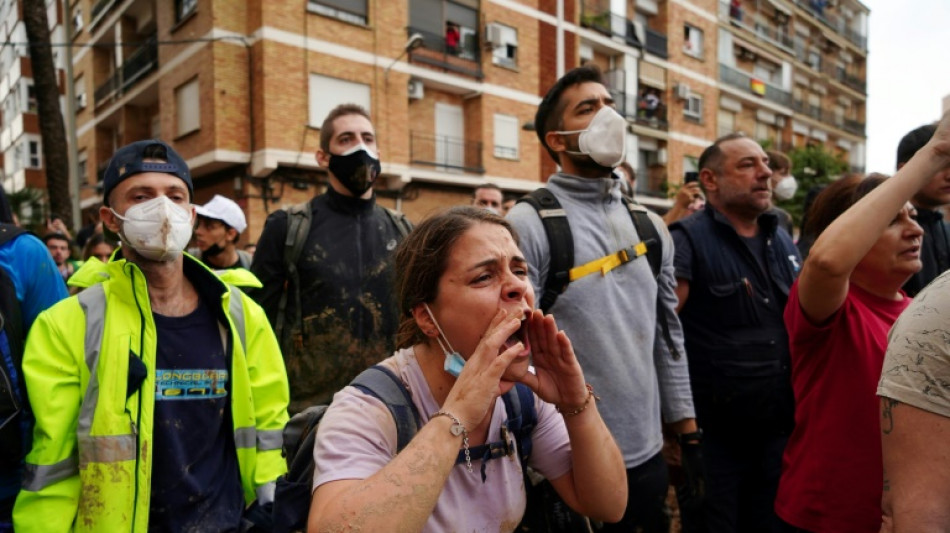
x=196, y=482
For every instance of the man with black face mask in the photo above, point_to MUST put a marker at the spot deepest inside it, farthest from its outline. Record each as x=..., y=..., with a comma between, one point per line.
x=220, y=223
x=330, y=303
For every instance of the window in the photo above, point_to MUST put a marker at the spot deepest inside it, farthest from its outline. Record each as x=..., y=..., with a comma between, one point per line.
x=727, y=122
x=327, y=93
x=449, y=27
x=692, y=41
x=82, y=166
x=30, y=98
x=35, y=159
x=353, y=11
x=188, y=107
x=183, y=8
x=814, y=59
x=767, y=132
x=506, y=136
x=694, y=107
x=504, y=42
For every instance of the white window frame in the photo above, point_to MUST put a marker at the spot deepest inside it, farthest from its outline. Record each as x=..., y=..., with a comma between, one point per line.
x=505, y=53
x=325, y=93
x=188, y=107
x=82, y=166
x=693, y=108
x=34, y=156
x=506, y=136
x=693, y=41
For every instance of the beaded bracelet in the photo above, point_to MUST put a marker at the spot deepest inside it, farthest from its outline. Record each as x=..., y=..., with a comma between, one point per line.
x=458, y=429
x=579, y=410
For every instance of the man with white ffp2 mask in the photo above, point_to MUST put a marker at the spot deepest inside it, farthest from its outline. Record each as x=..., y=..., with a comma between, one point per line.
x=611, y=315
x=183, y=368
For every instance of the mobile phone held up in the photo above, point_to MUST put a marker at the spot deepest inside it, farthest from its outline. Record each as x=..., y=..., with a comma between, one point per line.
x=690, y=177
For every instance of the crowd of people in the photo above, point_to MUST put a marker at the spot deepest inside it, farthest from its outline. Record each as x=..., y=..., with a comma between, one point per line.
x=571, y=336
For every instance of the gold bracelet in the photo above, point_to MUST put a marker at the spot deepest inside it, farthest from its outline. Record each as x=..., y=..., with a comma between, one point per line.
x=457, y=428
x=579, y=410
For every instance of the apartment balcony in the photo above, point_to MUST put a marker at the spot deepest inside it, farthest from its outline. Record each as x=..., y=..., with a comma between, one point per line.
x=464, y=59
x=772, y=35
x=610, y=24
x=140, y=64
x=854, y=126
x=819, y=9
x=445, y=153
x=629, y=106
x=804, y=108
x=743, y=80
x=99, y=9
x=656, y=43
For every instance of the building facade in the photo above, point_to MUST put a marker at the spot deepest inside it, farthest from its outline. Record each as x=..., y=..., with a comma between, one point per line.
x=241, y=88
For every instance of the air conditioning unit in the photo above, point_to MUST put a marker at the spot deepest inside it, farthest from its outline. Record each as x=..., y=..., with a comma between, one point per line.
x=81, y=101
x=493, y=36
x=416, y=90
x=681, y=91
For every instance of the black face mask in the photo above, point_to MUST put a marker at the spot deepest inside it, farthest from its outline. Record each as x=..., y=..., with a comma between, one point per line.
x=213, y=251
x=356, y=170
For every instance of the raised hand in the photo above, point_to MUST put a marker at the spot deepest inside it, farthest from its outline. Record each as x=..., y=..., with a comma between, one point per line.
x=558, y=377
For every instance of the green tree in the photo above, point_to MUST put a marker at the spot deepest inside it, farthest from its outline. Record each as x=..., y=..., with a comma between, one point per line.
x=812, y=166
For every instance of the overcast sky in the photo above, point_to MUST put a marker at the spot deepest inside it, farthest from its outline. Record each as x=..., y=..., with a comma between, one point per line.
x=908, y=72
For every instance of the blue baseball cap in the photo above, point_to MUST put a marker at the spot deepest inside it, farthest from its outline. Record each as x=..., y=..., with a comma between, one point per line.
x=130, y=160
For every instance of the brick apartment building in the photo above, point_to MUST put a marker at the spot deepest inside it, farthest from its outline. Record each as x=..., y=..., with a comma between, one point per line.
x=241, y=88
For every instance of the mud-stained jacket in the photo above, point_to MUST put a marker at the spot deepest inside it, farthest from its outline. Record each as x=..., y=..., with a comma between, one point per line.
x=91, y=462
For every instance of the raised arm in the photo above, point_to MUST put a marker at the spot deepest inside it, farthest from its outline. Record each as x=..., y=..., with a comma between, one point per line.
x=823, y=283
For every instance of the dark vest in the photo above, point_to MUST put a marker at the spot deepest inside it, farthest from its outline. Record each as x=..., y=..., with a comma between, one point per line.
x=733, y=323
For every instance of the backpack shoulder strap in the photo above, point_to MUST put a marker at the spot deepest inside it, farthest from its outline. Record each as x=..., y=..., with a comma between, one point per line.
x=382, y=383
x=299, y=218
x=560, y=242
x=8, y=232
x=650, y=236
x=648, y=233
x=522, y=418
x=400, y=221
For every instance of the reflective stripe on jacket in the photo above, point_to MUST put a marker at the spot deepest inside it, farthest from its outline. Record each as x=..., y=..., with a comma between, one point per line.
x=90, y=465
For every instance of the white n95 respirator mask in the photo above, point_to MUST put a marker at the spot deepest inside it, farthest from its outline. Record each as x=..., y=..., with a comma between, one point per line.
x=604, y=140
x=157, y=229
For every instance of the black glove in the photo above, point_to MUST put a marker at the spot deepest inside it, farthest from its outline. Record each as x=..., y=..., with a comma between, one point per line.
x=691, y=492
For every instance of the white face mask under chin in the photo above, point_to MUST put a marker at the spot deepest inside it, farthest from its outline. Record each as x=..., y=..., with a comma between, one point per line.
x=604, y=140
x=157, y=229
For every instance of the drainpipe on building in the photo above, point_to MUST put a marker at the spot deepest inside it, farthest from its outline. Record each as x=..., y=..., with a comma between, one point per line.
x=560, y=39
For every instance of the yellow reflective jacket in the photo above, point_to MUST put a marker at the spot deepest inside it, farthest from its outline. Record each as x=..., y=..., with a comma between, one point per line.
x=90, y=465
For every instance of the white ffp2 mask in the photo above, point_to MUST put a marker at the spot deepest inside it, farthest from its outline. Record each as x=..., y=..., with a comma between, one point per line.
x=604, y=140
x=157, y=229
x=785, y=188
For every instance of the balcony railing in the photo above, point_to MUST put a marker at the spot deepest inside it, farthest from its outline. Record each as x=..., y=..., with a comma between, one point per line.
x=819, y=10
x=100, y=8
x=462, y=59
x=742, y=80
x=609, y=24
x=840, y=74
x=656, y=43
x=629, y=106
x=854, y=126
x=141, y=63
x=810, y=110
x=772, y=35
x=445, y=152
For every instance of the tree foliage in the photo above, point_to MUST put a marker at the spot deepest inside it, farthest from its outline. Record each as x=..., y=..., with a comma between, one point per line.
x=813, y=166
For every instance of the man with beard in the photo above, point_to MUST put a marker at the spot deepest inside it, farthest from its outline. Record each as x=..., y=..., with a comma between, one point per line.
x=220, y=223
x=734, y=270
x=325, y=267
x=612, y=309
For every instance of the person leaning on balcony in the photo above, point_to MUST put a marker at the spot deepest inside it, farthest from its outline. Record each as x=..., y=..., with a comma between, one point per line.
x=332, y=307
x=452, y=38
x=935, y=249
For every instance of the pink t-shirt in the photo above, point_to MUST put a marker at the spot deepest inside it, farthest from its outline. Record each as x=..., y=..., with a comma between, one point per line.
x=831, y=470
x=357, y=437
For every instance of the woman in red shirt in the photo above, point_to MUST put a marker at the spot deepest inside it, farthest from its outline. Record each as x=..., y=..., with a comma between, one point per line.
x=838, y=313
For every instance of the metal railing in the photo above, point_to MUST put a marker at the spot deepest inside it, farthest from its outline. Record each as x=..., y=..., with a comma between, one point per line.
x=743, y=80
x=445, y=152
x=628, y=105
x=656, y=43
x=141, y=63
x=462, y=59
x=854, y=126
x=101, y=7
x=818, y=9
x=609, y=24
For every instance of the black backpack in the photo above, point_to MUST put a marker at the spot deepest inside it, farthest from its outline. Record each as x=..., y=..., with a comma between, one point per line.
x=561, y=246
x=293, y=493
x=13, y=399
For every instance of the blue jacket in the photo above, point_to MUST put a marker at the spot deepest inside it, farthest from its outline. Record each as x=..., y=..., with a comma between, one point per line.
x=733, y=319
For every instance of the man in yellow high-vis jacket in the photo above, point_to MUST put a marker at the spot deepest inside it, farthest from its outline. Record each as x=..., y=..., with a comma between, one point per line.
x=159, y=393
